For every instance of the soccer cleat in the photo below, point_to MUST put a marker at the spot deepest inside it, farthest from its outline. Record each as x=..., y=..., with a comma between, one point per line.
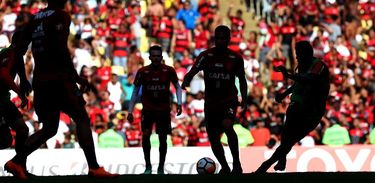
x=148, y=171
x=16, y=169
x=101, y=173
x=161, y=171
x=280, y=166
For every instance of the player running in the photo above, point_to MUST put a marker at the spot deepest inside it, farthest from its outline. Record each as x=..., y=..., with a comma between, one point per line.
x=8, y=110
x=220, y=66
x=308, y=101
x=55, y=88
x=155, y=80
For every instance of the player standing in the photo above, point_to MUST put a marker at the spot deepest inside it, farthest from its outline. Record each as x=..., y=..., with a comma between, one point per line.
x=308, y=101
x=220, y=66
x=155, y=80
x=55, y=88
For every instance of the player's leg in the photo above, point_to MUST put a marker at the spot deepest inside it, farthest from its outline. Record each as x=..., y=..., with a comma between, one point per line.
x=17, y=165
x=14, y=119
x=303, y=125
x=6, y=139
x=74, y=105
x=217, y=149
x=84, y=136
x=147, y=122
x=233, y=145
x=285, y=144
x=163, y=128
x=162, y=152
x=6, y=136
x=214, y=130
x=227, y=123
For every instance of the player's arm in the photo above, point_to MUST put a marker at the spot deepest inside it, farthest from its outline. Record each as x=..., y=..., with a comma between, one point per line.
x=279, y=97
x=132, y=103
x=20, y=43
x=178, y=92
x=62, y=30
x=310, y=77
x=242, y=81
x=137, y=86
x=7, y=80
x=197, y=66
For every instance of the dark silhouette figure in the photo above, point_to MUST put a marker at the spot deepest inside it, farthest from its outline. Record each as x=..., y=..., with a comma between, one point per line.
x=220, y=66
x=309, y=93
x=55, y=87
x=10, y=65
x=155, y=80
x=8, y=110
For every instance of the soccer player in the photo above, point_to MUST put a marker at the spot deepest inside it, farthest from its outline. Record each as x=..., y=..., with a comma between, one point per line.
x=8, y=110
x=220, y=66
x=155, y=80
x=55, y=87
x=309, y=93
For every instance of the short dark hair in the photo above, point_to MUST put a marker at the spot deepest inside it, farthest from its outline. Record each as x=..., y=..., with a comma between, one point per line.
x=224, y=29
x=305, y=48
x=156, y=48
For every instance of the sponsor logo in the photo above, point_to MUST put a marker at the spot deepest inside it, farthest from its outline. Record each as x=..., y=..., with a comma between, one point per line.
x=155, y=87
x=222, y=76
x=44, y=14
x=219, y=65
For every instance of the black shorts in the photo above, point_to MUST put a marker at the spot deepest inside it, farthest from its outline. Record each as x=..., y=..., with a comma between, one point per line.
x=52, y=97
x=9, y=111
x=214, y=117
x=162, y=120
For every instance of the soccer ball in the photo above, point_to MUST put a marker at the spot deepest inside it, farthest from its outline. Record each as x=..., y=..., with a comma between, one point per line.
x=206, y=166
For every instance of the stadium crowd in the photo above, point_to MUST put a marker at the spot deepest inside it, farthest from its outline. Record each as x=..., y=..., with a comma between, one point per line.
x=110, y=38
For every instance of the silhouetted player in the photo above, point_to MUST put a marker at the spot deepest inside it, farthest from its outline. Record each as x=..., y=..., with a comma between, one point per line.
x=55, y=89
x=220, y=66
x=309, y=93
x=8, y=111
x=155, y=80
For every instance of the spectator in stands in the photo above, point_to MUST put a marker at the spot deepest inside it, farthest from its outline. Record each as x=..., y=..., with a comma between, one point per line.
x=188, y=15
x=244, y=136
x=336, y=135
x=260, y=133
x=110, y=138
x=181, y=41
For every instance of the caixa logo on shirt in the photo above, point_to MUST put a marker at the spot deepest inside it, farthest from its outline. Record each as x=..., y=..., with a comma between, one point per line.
x=223, y=76
x=155, y=87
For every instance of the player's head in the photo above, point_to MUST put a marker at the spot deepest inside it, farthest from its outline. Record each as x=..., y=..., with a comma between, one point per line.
x=304, y=54
x=57, y=3
x=222, y=36
x=156, y=55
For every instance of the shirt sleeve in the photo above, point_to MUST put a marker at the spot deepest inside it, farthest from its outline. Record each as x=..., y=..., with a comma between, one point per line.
x=199, y=61
x=173, y=75
x=138, y=77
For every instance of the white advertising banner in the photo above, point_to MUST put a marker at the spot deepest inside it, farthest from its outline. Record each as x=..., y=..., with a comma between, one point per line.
x=179, y=160
x=182, y=160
